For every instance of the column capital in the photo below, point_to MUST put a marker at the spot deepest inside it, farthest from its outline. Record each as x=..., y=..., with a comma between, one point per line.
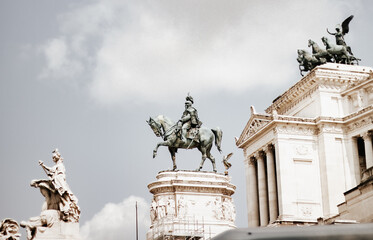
x=268, y=147
x=252, y=160
x=255, y=155
x=366, y=135
x=261, y=154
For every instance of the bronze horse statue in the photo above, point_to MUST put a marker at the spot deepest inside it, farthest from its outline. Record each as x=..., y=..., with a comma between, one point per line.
x=321, y=54
x=163, y=127
x=306, y=61
x=339, y=52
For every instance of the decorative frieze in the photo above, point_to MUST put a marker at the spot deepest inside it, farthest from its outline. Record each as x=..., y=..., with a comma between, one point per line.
x=295, y=130
x=359, y=124
x=330, y=128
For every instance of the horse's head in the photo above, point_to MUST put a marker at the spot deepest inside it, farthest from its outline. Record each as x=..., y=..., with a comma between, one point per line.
x=301, y=53
x=325, y=41
x=310, y=43
x=156, y=127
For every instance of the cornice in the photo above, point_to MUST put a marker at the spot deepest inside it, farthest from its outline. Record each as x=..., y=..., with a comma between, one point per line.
x=354, y=122
x=361, y=113
x=226, y=190
x=192, y=182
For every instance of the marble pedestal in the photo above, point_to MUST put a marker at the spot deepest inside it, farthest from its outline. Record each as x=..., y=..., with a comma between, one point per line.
x=58, y=230
x=191, y=204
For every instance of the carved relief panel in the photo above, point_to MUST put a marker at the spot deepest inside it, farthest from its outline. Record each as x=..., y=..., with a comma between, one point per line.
x=162, y=207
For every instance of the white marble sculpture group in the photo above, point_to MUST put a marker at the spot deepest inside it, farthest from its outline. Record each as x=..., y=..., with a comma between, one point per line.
x=60, y=212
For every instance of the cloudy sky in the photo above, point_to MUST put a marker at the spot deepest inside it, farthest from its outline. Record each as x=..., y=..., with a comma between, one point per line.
x=84, y=76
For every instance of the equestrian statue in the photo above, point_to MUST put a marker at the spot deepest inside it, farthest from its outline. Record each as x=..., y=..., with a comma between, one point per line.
x=187, y=133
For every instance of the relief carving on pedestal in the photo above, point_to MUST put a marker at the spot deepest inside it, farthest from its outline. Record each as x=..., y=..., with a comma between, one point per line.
x=181, y=207
x=162, y=208
x=218, y=208
x=153, y=211
x=170, y=207
x=229, y=211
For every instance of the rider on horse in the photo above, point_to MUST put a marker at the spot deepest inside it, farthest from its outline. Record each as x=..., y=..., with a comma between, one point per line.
x=189, y=122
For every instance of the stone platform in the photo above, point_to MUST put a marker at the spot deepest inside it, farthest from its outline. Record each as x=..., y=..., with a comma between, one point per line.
x=191, y=204
x=59, y=231
x=51, y=228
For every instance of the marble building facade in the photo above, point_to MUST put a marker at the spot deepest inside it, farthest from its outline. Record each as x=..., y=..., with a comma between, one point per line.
x=310, y=148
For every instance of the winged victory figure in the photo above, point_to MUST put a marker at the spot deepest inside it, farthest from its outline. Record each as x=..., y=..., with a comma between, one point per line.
x=341, y=30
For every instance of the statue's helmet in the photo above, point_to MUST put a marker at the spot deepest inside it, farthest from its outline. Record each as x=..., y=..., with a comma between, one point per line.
x=56, y=154
x=189, y=103
x=189, y=98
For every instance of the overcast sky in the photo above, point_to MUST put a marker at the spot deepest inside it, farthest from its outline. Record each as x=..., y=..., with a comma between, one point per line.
x=84, y=76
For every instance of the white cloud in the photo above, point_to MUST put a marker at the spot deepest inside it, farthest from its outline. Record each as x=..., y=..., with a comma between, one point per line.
x=156, y=50
x=117, y=221
x=59, y=62
x=55, y=52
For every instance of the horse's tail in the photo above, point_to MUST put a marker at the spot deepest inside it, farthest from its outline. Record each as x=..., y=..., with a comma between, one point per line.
x=218, y=137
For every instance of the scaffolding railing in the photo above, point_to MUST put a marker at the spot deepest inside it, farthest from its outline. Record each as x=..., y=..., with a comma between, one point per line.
x=171, y=228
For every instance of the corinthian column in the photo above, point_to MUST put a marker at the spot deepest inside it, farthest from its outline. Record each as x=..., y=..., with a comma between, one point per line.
x=262, y=185
x=272, y=187
x=355, y=155
x=368, y=149
x=252, y=194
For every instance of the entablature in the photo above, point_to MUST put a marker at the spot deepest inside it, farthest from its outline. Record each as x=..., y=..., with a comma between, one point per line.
x=282, y=124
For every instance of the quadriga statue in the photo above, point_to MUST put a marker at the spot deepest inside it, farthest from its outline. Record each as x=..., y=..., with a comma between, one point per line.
x=339, y=52
x=60, y=203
